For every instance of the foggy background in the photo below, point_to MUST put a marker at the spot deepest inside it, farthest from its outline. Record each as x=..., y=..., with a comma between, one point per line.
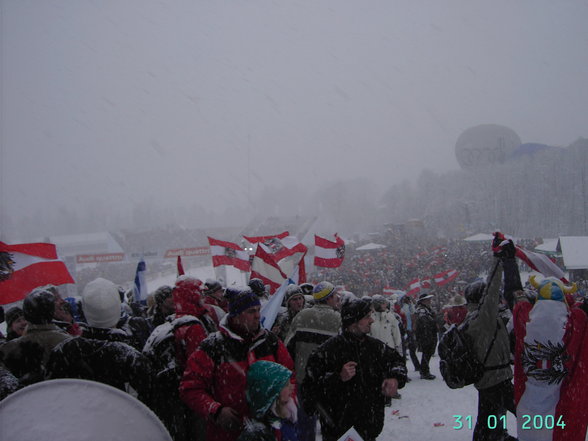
x=134, y=114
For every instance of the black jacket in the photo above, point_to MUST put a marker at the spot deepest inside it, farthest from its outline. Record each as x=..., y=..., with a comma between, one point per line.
x=108, y=362
x=138, y=328
x=358, y=402
x=107, y=334
x=425, y=328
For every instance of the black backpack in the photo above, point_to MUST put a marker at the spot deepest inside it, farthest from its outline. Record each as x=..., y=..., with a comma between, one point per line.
x=160, y=348
x=458, y=363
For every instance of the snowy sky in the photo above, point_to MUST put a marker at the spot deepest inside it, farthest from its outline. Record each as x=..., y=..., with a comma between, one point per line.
x=176, y=101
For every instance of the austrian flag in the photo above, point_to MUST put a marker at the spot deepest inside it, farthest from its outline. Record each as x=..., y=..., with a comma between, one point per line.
x=414, y=287
x=26, y=266
x=228, y=253
x=264, y=267
x=328, y=254
x=445, y=277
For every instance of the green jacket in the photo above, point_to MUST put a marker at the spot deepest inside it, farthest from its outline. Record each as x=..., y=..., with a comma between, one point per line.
x=309, y=329
x=483, y=322
x=27, y=356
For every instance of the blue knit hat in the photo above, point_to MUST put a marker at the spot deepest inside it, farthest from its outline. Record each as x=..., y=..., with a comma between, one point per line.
x=240, y=298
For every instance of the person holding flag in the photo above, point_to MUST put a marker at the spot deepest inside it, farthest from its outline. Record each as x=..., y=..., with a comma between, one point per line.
x=551, y=356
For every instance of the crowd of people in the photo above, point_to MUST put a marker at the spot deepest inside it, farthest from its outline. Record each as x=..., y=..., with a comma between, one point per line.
x=335, y=357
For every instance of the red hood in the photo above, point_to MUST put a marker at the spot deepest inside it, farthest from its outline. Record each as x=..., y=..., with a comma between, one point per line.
x=187, y=295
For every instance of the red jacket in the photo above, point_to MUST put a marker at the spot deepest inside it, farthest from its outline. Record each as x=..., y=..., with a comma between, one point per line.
x=398, y=310
x=215, y=375
x=188, y=301
x=455, y=315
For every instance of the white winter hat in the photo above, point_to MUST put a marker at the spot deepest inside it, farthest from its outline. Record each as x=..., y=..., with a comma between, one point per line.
x=101, y=303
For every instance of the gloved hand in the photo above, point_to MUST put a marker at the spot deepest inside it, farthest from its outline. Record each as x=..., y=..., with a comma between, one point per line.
x=503, y=247
x=498, y=239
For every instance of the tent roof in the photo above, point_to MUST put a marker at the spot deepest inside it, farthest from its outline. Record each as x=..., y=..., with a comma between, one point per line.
x=548, y=246
x=370, y=246
x=480, y=237
x=574, y=250
x=91, y=243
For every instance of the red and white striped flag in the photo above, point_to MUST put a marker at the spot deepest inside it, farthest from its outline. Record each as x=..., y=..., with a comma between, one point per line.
x=228, y=253
x=414, y=287
x=281, y=246
x=264, y=267
x=536, y=261
x=540, y=263
x=328, y=254
x=445, y=277
x=26, y=266
x=388, y=291
x=426, y=284
x=258, y=239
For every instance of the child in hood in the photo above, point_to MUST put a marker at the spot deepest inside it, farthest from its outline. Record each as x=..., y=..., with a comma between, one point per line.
x=269, y=396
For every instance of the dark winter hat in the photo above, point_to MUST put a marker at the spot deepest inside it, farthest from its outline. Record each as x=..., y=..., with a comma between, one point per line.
x=424, y=296
x=291, y=292
x=240, y=299
x=307, y=288
x=257, y=287
x=162, y=293
x=322, y=291
x=379, y=298
x=265, y=381
x=211, y=286
x=38, y=306
x=13, y=315
x=474, y=291
x=354, y=310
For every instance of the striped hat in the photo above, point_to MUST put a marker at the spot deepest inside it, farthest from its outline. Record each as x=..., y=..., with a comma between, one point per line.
x=323, y=290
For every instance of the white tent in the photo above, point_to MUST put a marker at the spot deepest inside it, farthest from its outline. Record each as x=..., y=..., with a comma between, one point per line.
x=371, y=246
x=90, y=243
x=574, y=250
x=480, y=237
x=548, y=246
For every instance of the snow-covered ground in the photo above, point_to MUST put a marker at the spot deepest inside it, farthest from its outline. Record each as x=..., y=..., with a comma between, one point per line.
x=427, y=408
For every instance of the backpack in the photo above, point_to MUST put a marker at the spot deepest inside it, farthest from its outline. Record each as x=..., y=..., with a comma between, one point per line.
x=458, y=363
x=160, y=348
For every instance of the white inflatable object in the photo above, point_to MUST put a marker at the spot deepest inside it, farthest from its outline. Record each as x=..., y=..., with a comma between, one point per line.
x=77, y=410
